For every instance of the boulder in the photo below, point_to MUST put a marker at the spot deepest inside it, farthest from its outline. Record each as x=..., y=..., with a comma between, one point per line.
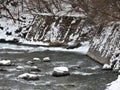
x=28, y=76
x=36, y=59
x=20, y=67
x=35, y=68
x=5, y=63
x=46, y=59
x=107, y=67
x=60, y=71
x=30, y=62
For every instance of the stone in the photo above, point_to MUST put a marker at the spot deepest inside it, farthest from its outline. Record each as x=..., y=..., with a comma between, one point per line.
x=30, y=62
x=60, y=71
x=19, y=67
x=28, y=76
x=46, y=59
x=5, y=63
x=106, y=67
x=36, y=59
x=35, y=68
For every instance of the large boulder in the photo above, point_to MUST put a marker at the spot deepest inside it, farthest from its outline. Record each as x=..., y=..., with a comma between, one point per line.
x=5, y=63
x=60, y=71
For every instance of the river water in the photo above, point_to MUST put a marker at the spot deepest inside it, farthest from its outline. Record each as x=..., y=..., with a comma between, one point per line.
x=85, y=74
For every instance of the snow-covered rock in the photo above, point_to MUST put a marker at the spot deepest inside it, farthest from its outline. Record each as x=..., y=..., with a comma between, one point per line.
x=36, y=59
x=30, y=62
x=20, y=67
x=115, y=85
x=5, y=62
x=28, y=76
x=106, y=67
x=35, y=68
x=46, y=59
x=60, y=71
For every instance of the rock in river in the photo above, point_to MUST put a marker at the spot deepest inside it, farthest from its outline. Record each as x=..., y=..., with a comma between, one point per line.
x=46, y=59
x=5, y=63
x=28, y=76
x=36, y=59
x=60, y=71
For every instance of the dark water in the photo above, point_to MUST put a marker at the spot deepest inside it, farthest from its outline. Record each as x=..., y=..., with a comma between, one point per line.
x=85, y=73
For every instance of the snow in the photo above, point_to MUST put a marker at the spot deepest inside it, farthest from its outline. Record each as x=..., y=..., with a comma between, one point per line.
x=106, y=66
x=61, y=69
x=81, y=73
x=5, y=62
x=33, y=42
x=15, y=47
x=115, y=85
x=20, y=67
x=28, y=75
x=83, y=49
x=53, y=33
x=9, y=26
x=107, y=42
x=36, y=59
x=46, y=59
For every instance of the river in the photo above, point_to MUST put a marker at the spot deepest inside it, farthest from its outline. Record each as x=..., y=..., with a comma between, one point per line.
x=85, y=74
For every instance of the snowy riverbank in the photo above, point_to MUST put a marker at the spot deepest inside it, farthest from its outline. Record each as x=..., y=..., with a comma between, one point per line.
x=82, y=49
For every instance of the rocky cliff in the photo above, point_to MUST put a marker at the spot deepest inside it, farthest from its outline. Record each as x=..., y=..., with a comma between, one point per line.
x=106, y=44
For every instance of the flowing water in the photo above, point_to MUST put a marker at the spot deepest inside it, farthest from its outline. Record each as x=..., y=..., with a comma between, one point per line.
x=85, y=74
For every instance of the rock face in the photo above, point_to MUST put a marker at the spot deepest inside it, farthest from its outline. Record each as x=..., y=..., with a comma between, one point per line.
x=105, y=47
x=60, y=71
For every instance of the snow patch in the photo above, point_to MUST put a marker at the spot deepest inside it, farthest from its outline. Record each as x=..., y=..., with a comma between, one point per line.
x=82, y=73
x=115, y=85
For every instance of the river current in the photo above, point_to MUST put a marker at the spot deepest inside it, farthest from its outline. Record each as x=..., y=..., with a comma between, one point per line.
x=85, y=74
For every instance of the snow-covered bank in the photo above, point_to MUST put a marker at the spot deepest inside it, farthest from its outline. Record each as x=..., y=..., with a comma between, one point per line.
x=82, y=49
x=115, y=85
